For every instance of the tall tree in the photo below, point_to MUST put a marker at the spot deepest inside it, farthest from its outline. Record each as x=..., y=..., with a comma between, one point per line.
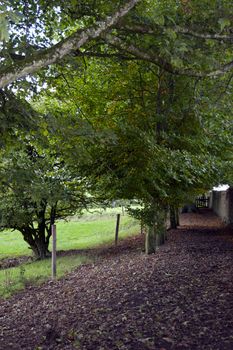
x=37, y=189
x=133, y=89
x=143, y=134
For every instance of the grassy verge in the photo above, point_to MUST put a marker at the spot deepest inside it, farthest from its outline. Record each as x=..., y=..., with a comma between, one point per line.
x=88, y=234
x=91, y=230
x=16, y=278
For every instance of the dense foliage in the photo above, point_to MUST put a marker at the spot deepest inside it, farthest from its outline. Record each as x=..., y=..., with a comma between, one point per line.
x=135, y=96
x=36, y=189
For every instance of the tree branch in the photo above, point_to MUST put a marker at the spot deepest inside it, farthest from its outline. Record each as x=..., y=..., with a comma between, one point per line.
x=159, y=61
x=147, y=29
x=225, y=89
x=213, y=36
x=79, y=53
x=135, y=51
x=55, y=53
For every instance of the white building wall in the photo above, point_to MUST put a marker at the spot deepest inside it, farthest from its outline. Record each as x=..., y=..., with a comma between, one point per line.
x=222, y=204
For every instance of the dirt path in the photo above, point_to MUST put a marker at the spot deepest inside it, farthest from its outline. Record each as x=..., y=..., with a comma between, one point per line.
x=179, y=298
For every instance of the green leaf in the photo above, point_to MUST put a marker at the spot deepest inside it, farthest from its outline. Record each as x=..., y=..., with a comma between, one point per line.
x=4, y=33
x=224, y=22
x=177, y=62
x=74, y=2
x=159, y=20
x=209, y=42
x=15, y=17
x=171, y=34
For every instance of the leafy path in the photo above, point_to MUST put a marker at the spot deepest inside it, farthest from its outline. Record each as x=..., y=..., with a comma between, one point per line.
x=179, y=298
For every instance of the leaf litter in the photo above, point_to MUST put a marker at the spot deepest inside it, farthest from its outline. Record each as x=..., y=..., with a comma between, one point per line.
x=179, y=298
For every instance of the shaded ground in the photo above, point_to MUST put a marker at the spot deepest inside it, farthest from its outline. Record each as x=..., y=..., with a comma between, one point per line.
x=179, y=298
x=12, y=262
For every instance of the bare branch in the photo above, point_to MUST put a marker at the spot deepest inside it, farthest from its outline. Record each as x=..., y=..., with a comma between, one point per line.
x=135, y=51
x=79, y=53
x=213, y=36
x=55, y=53
x=148, y=29
x=137, y=28
x=159, y=61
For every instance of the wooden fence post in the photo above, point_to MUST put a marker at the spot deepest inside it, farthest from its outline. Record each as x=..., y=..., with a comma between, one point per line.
x=54, y=252
x=117, y=228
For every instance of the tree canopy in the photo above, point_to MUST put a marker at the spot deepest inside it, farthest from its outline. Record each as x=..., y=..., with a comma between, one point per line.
x=184, y=37
x=133, y=96
x=36, y=189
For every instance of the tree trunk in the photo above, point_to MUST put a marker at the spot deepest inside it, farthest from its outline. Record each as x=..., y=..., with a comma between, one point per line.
x=161, y=236
x=174, y=217
x=156, y=233
x=162, y=224
x=161, y=228
x=177, y=216
x=37, y=242
x=40, y=250
x=173, y=221
x=150, y=240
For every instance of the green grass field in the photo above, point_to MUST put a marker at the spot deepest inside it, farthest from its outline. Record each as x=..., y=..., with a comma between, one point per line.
x=91, y=230
x=16, y=278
